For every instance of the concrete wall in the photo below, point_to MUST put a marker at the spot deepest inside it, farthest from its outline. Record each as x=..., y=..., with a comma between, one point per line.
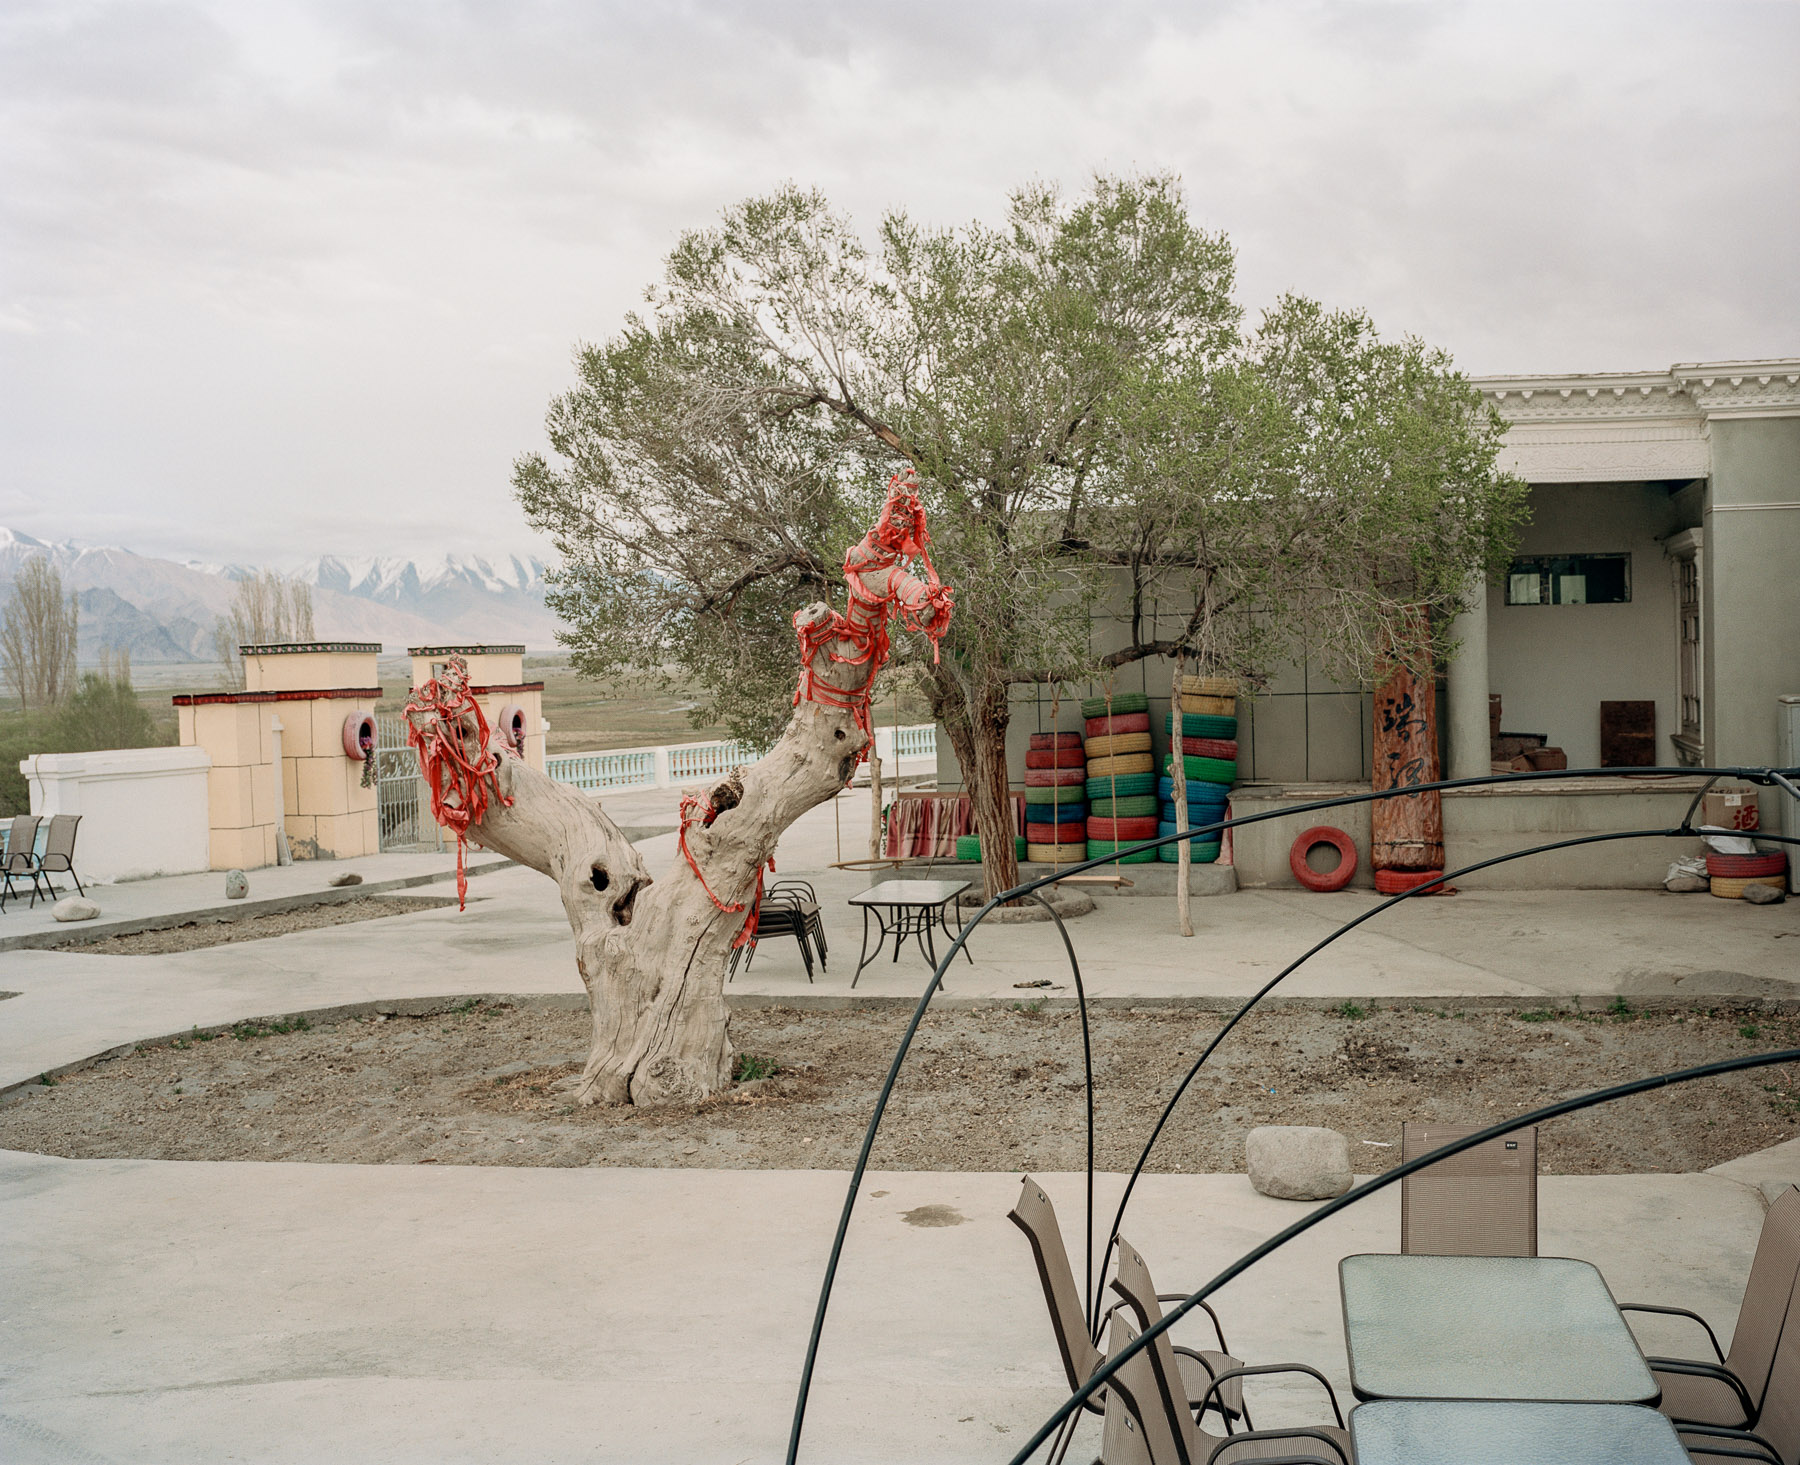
x=1553, y=665
x=308, y=671
x=1751, y=586
x=143, y=810
x=327, y=812
x=1482, y=823
x=241, y=784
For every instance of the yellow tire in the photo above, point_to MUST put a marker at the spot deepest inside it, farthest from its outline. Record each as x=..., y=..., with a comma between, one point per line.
x=1208, y=706
x=1732, y=887
x=1121, y=764
x=1208, y=687
x=1116, y=743
x=1055, y=854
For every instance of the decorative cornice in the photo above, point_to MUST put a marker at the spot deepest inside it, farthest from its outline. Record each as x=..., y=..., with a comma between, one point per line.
x=291, y=648
x=212, y=699
x=1742, y=388
x=1689, y=393
x=466, y=650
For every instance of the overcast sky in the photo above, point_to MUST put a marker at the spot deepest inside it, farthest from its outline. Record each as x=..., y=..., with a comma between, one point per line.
x=283, y=279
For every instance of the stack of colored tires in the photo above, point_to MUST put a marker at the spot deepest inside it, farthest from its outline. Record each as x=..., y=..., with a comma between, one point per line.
x=1730, y=874
x=968, y=846
x=1207, y=743
x=1121, y=776
x=1055, y=801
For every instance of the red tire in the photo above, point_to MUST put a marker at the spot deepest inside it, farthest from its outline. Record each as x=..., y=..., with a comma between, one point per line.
x=1121, y=831
x=1056, y=758
x=1225, y=748
x=1398, y=882
x=1119, y=722
x=1054, y=777
x=1070, y=833
x=358, y=727
x=1324, y=881
x=1747, y=867
x=1041, y=741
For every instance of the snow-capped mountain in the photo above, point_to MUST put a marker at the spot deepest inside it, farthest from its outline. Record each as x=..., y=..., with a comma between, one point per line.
x=161, y=610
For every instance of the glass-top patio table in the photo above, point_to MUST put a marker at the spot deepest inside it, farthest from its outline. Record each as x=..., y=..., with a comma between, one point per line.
x=1488, y=1327
x=903, y=908
x=1454, y=1432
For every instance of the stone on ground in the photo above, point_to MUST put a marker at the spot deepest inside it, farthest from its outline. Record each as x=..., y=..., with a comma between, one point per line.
x=349, y=877
x=237, y=885
x=1297, y=1161
x=1687, y=884
x=74, y=908
x=1764, y=894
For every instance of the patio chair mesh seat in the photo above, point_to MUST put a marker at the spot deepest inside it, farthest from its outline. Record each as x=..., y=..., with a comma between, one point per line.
x=20, y=861
x=58, y=857
x=1482, y=1202
x=1777, y=1425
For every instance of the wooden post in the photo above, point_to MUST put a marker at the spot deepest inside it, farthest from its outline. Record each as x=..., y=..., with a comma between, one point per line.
x=1178, y=776
x=874, y=761
x=1406, y=833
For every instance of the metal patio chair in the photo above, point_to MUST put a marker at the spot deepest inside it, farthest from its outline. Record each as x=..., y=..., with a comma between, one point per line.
x=809, y=905
x=59, y=851
x=1729, y=1391
x=1036, y=1217
x=783, y=913
x=1776, y=1437
x=1195, y=1446
x=20, y=861
x=1482, y=1202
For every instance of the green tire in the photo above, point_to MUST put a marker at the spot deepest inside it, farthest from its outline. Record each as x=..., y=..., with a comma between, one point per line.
x=1203, y=725
x=1099, y=848
x=1069, y=793
x=1207, y=770
x=1120, y=786
x=1137, y=806
x=1121, y=702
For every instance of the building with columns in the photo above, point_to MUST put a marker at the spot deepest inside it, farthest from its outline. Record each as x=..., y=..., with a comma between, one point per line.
x=1660, y=569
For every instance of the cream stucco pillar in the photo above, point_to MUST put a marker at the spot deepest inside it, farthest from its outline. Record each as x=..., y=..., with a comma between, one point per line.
x=1467, y=690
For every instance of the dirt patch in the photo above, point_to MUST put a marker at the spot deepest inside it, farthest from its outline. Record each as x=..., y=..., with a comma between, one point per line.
x=223, y=930
x=993, y=1089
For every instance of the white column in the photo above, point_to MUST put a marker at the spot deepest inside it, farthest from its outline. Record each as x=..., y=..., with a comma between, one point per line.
x=1467, y=693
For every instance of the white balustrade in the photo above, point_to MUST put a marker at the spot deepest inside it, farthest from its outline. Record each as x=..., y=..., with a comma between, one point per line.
x=671, y=765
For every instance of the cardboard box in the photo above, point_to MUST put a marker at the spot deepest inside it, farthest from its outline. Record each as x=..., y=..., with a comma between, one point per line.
x=1729, y=808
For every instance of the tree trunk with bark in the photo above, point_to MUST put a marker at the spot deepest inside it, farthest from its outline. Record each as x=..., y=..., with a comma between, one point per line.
x=977, y=728
x=653, y=955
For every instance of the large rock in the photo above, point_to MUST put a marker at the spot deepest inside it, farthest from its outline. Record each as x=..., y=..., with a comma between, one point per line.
x=1764, y=895
x=74, y=908
x=1297, y=1162
x=237, y=885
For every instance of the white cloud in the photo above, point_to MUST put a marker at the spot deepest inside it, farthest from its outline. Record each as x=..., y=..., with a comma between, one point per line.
x=299, y=278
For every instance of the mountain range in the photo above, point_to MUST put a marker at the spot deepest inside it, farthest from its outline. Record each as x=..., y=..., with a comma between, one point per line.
x=163, y=611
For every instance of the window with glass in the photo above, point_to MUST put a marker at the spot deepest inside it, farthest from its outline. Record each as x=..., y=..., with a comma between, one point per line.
x=1569, y=579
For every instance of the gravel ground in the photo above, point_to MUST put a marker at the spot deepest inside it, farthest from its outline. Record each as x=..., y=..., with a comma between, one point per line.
x=222, y=930
x=991, y=1089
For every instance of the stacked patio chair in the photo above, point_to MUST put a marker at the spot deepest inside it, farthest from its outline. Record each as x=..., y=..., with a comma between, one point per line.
x=1730, y=1392
x=20, y=860
x=1323, y=1441
x=1482, y=1202
x=59, y=851
x=1036, y=1217
x=789, y=908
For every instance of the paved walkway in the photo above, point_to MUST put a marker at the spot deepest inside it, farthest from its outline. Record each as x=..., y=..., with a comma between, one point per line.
x=156, y=1311
x=173, y=1312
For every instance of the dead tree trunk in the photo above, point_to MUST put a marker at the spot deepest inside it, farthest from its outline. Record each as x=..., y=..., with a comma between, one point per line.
x=653, y=955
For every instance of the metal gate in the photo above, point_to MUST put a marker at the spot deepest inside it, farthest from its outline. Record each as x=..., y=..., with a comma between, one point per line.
x=403, y=810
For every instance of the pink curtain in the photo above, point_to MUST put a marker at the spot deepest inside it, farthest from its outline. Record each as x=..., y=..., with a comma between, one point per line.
x=928, y=824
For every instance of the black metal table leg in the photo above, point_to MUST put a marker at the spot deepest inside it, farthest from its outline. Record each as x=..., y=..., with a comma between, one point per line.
x=863, y=957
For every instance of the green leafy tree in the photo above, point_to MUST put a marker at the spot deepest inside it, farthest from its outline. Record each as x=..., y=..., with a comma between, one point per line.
x=104, y=712
x=1082, y=409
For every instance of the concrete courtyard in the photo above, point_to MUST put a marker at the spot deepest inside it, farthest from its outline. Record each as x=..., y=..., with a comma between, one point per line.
x=165, y=1311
